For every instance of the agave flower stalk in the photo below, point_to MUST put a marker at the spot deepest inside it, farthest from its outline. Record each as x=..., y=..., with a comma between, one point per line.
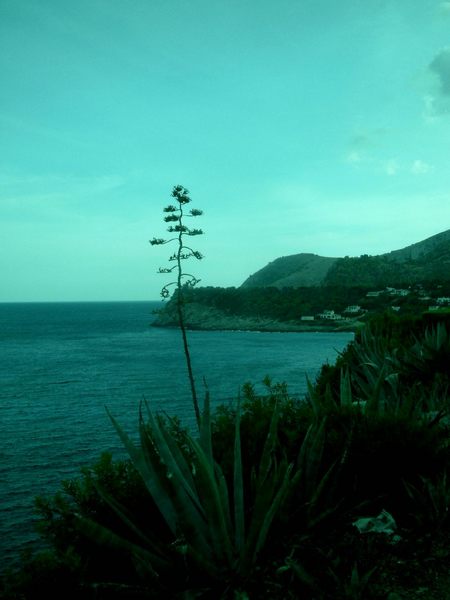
x=175, y=215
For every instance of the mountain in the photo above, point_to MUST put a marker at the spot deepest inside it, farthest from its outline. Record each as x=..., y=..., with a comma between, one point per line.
x=421, y=249
x=292, y=271
x=423, y=261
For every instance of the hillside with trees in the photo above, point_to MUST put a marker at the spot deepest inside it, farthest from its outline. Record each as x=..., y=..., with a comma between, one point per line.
x=336, y=307
x=428, y=260
x=298, y=270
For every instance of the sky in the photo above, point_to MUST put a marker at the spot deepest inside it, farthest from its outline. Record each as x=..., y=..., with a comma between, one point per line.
x=297, y=126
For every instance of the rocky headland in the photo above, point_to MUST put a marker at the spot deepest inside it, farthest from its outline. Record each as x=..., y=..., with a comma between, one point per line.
x=199, y=316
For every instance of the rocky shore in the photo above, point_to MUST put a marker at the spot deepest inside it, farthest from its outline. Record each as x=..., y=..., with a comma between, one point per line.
x=203, y=317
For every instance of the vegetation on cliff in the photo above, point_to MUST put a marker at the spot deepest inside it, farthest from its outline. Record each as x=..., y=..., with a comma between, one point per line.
x=388, y=270
x=270, y=307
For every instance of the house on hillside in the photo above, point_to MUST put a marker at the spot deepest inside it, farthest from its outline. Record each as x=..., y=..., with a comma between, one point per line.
x=374, y=294
x=330, y=315
x=353, y=308
x=395, y=292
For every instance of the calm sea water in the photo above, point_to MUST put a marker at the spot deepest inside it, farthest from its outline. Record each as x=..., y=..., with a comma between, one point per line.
x=60, y=364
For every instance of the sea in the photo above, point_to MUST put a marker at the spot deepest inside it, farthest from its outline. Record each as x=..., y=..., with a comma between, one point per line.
x=61, y=364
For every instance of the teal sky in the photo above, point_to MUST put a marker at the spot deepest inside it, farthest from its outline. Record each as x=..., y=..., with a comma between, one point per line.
x=297, y=125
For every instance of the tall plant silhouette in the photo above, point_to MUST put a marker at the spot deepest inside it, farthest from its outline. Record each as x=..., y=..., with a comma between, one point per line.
x=176, y=215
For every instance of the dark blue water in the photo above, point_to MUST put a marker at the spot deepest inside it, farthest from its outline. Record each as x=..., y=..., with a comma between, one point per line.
x=60, y=364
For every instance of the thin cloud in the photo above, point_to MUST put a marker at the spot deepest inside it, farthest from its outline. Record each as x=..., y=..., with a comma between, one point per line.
x=420, y=167
x=363, y=148
x=444, y=7
x=391, y=167
x=59, y=185
x=354, y=157
x=437, y=102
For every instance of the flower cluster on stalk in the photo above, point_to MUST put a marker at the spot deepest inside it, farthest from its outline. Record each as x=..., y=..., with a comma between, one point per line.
x=175, y=215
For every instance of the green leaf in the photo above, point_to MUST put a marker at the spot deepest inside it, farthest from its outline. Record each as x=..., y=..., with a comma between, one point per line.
x=205, y=429
x=346, y=398
x=104, y=536
x=209, y=492
x=239, y=507
x=144, y=466
x=268, y=449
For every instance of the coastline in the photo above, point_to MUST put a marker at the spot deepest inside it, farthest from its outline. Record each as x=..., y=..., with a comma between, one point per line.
x=204, y=318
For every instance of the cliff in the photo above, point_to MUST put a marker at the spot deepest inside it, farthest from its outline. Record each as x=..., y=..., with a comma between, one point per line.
x=200, y=316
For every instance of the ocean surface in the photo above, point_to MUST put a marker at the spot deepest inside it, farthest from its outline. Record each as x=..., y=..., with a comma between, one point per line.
x=62, y=363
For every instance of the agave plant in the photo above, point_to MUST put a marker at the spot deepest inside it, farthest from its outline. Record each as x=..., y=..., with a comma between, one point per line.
x=217, y=530
x=408, y=381
x=430, y=501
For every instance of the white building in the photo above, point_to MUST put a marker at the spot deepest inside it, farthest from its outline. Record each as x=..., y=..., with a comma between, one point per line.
x=354, y=308
x=330, y=315
x=374, y=294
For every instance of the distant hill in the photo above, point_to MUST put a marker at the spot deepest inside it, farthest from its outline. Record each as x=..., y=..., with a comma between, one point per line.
x=423, y=261
x=297, y=270
x=421, y=249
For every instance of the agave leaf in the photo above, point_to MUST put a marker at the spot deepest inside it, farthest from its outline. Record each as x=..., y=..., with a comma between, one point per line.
x=310, y=456
x=169, y=488
x=147, y=472
x=103, y=535
x=261, y=501
x=224, y=496
x=205, y=429
x=124, y=515
x=176, y=467
x=215, y=569
x=375, y=404
x=323, y=484
x=181, y=461
x=273, y=509
x=320, y=403
x=313, y=398
x=186, y=499
x=239, y=508
x=267, y=503
x=187, y=504
x=210, y=493
x=302, y=574
x=346, y=398
x=268, y=449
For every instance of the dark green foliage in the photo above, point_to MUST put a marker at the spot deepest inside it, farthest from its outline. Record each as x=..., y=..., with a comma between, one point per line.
x=284, y=304
x=82, y=496
x=386, y=270
x=385, y=451
x=369, y=271
x=72, y=563
x=412, y=359
x=44, y=575
x=256, y=413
